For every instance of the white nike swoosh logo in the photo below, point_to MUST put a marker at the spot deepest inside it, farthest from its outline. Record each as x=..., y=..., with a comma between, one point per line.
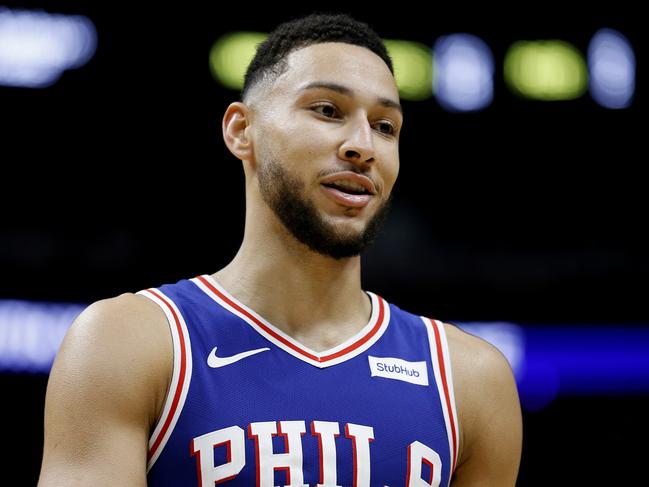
x=216, y=362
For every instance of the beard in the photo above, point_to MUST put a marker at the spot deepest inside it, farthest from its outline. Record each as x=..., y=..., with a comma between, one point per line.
x=283, y=193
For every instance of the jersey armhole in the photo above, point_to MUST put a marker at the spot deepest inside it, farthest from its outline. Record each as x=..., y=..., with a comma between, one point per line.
x=441, y=361
x=180, y=378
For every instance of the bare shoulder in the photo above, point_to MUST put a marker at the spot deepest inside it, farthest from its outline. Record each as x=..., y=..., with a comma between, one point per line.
x=125, y=338
x=474, y=359
x=105, y=391
x=119, y=318
x=126, y=307
x=481, y=373
x=488, y=411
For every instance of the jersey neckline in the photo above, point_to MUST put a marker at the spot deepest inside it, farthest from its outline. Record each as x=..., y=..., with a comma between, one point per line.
x=358, y=343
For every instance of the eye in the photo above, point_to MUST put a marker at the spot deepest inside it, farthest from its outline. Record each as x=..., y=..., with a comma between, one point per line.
x=326, y=110
x=386, y=127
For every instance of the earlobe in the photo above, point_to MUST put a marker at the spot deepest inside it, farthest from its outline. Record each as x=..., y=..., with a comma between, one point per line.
x=236, y=126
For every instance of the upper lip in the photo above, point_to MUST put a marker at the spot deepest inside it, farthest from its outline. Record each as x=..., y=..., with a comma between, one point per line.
x=353, y=177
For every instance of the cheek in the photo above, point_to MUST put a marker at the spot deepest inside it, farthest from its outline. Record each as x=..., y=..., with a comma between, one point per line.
x=304, y=142
x=291, y=131
x=391, y=169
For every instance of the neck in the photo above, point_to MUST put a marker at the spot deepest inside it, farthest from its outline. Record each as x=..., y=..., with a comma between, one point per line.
x=314, y=298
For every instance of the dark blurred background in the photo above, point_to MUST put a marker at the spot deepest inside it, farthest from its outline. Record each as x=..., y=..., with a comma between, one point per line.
x=116, y=178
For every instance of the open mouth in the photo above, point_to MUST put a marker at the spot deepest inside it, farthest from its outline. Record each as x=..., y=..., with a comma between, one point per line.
x=347, y=188
x=350, y=197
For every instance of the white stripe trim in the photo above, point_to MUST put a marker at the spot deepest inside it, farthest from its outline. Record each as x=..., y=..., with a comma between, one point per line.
x=449, y=381
x=363, y=332
x=175, y=378
x=428, y=323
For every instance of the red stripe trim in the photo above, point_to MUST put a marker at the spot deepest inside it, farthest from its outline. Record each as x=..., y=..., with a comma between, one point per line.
x=181, y=378
x=447, y=397
x=408, y=466
x=360, y=341
x=290, y=344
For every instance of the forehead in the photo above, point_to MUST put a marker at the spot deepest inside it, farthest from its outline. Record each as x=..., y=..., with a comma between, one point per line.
x=354, y=66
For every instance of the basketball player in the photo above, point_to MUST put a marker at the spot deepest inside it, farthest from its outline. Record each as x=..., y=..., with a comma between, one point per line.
x=279, y=369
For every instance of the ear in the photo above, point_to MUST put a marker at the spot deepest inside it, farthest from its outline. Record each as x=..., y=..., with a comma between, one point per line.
x=236, y=131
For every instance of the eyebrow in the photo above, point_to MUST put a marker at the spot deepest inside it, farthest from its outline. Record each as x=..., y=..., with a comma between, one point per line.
x=344, y=90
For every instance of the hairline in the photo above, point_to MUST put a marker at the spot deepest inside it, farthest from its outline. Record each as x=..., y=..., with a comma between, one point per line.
x=272, y=73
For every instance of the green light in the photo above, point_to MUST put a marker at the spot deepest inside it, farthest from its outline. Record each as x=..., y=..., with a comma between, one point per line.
x=546, y=70
x=230, y=56
x=413, y=68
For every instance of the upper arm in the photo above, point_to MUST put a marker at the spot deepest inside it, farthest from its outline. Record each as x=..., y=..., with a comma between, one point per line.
x=103, y=395
x=489, y=413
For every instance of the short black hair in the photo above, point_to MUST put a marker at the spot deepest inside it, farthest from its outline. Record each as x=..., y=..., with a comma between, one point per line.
x=270, y=58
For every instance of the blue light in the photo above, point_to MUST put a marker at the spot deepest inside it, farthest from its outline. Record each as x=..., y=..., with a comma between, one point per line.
x=571, y=360
x=36, y=47
x=612, y=69
x=31, y=334
x=592, y=359
x=463, y=73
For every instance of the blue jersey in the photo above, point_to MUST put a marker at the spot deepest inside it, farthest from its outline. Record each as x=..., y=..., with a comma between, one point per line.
x=249, y=405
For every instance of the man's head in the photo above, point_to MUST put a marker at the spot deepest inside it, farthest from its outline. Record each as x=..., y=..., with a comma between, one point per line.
x=270, y=59
x=318, y=132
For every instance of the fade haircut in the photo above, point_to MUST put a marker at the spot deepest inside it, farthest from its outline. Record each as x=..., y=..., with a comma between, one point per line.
x=270, y=59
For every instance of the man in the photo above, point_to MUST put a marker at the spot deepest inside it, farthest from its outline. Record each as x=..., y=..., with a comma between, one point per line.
x=279, y=369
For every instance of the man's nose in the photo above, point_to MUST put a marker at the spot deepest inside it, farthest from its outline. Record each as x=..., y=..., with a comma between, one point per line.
x=358, y=146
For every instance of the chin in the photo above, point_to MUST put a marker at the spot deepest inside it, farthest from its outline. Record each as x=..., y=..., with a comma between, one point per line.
x=347, y=225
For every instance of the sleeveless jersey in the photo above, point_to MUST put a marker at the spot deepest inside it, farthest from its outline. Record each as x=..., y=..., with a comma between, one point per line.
x=250, y=406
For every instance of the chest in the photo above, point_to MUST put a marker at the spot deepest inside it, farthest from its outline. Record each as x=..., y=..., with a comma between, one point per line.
x=269, y=419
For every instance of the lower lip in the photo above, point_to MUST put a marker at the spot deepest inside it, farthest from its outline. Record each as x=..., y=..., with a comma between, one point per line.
x=355, y=200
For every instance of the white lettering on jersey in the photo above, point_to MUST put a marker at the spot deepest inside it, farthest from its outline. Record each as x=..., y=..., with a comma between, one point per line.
x=203, y=447
x=361, y=436
x=399, y=369
x=268, y=462
x=327, y=432
x=418, y=453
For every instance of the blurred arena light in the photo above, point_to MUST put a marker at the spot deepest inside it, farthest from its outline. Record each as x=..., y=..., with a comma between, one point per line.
x=545, y=70
x=464, y=69
x=553, y=360
x=460, y=69
x=611, y=62
x=230, y=56
x=413, y=68
x=31, y=334
x=37, y=47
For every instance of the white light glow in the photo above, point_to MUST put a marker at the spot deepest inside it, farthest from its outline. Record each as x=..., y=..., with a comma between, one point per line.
x=31, y=333
x=36, y=47
x=463, y=73
x=612, y=69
